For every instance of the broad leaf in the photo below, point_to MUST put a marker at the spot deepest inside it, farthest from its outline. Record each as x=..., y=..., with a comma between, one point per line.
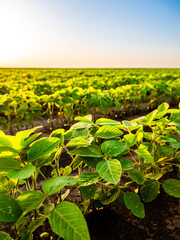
x=42, y=147
x=137, y=176
x=151, y=116
x=144, y=153
x=55, y=184
x=81, y=125
x=150, y=190
x=88, y=191
x=108, y=132
x=105, y=121
x=5, y=236
x=68, y=222
x=10, y=210
x=110, y=170
x=110, y=196
x=78, y=142
x=59, y=133
x=133, y=202
x=126, y=164
x=88, y=178
x=162, y=151
x=8, y=163
x=30, y=200
x=172, y=187
x=23, y=173
x=130, y=139
x=91, y=151
x=113, y=148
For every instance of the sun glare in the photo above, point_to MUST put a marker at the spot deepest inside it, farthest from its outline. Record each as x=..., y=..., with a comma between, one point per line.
x=12, y=42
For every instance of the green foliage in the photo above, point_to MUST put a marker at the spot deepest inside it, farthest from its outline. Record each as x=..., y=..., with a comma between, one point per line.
x=10, y=210
x=133, y=202
x=102, y=152
x=172, y=187
x=67, y=221
x=55, y=184
x=110, y=170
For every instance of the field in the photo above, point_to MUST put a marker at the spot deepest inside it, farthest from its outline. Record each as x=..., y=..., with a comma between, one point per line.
x=63, y=94
x=89, y=154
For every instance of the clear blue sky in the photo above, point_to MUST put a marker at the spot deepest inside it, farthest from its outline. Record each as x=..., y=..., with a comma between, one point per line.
x=90, y=33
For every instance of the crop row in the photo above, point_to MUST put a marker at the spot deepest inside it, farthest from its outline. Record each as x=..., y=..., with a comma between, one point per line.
x=21, y=105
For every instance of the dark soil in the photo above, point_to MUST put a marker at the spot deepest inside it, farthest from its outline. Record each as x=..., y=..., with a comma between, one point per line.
x=162, y=221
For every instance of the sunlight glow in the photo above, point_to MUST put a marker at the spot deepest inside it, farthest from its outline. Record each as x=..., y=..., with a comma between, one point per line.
x=12, y=42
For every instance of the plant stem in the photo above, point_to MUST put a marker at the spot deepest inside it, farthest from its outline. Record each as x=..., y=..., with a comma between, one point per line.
x=42, y=174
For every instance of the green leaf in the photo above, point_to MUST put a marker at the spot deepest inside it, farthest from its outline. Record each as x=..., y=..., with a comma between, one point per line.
x=88, y=178
x=150, y=117
x=58, y=133
x=105, y=121
x=5, y=141
x=5, y=236
x=162, y=152
x=23, y=173
x=55, y=184
x=34, y=224
x=130, y=139
x=90, y=161
x=113, y=148
x=88, y=191
x=8, y=151
x=68, y=222
x=48, y=208
x=81, y=125
x=68, y=110
x=108, y=132
x=150, y=190
x=10, y=210
x=81, y=132
x=30, y=139
x=126, y=164
x=144, y=153
x=163, y=107
x=91, y=151
x=68, y=134
x=127, y=124
x=8, y=163
x=84, y=119
x=30, y=200
x=110, y=170
x=42, y=147
x=133, y=202
x=136, y=176
x=172, y=187
x=22, y=136
x=110, y=196
x=162, y=110
x=77, y=142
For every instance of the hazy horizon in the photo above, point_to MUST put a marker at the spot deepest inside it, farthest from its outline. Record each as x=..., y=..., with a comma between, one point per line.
x=90, y=34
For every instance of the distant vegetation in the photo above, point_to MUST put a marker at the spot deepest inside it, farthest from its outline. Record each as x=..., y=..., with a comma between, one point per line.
x=28, y=94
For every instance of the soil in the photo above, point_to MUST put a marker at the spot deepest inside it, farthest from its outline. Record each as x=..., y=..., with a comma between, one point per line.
x=162, y=221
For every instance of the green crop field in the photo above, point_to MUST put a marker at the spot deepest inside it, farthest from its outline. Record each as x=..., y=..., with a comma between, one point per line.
x=28, y=94
x=101, y=160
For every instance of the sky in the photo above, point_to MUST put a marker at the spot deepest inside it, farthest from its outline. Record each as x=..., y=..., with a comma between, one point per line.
x=90, y=33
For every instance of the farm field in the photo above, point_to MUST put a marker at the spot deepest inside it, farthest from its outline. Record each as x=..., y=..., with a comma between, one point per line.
x=107, y=166
x=62, y=94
